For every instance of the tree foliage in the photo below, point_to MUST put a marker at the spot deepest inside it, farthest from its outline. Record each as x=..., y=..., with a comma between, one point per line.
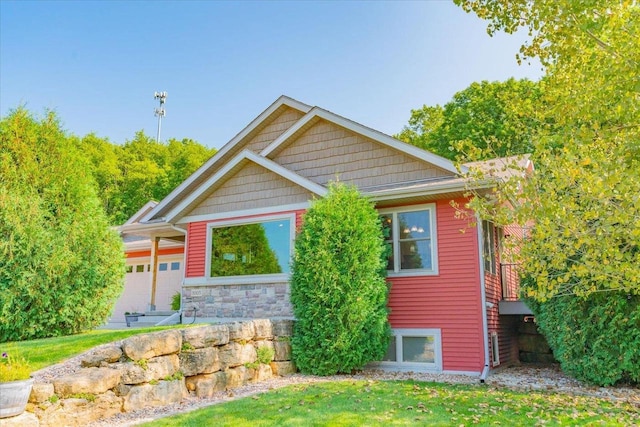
x=488, y=119
x=582, y=257
x=61, y=267
x=338, y=289
x=130, y=175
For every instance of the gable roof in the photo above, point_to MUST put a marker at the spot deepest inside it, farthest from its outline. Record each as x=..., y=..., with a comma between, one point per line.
x=231, y=167
x=243, y=136
x=231, y=155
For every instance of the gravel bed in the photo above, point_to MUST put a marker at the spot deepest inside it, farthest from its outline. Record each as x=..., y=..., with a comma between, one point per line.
x=527, y=377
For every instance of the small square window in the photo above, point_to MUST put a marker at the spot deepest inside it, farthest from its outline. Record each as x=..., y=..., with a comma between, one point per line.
x=175, y=266
x=139, y=268
x=162, y=266
x=129, y=269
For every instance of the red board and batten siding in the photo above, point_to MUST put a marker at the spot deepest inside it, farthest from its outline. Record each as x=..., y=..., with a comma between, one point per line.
x=147, y=252
x=197, y=241
x=450, y=300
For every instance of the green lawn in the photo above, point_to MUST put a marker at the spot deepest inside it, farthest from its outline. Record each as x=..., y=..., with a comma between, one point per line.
x=48, y=351
x=381, y=403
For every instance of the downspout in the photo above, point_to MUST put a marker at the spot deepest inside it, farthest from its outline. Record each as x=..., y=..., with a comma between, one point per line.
x=483, y=301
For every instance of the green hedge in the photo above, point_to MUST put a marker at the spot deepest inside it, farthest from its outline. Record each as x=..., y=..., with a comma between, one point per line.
x=61, y=266
x=338, y=290
x=596, y=339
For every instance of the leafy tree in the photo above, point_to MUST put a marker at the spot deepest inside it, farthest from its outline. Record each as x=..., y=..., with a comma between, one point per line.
x=61, y=267
x=338, y=289
x=491, y=119
x=130, y=175
x=583, y=197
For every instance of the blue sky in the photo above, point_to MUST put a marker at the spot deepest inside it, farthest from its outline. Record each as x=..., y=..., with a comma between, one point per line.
x=98, y=63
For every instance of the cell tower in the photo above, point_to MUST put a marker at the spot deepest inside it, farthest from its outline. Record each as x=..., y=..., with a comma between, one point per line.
x=159, y=112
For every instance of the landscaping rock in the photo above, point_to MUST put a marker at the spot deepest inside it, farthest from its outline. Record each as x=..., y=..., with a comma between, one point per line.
x=161, y=394
x=88, y=380
x=262, y=372
x=283, y=368
x=41, y=392
x=200, y=361
x=26, y=419
x=263, y=329
x=282, y=351
x=109, y=354
x=206, y=336
x=236, y=377
x=241, y=331
x=154, y=369
x=236, y=354
x=206, y=385
x=282, y=328
x=151, y=345
x=80, y=412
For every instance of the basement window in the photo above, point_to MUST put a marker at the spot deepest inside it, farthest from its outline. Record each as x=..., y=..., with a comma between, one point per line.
x=414, y=349
x=495, y=349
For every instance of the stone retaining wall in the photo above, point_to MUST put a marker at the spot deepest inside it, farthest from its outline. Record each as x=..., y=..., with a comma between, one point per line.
x=162, y=368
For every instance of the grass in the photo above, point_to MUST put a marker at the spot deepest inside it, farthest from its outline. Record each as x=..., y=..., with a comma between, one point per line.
x=382, y=403
x=45, y=352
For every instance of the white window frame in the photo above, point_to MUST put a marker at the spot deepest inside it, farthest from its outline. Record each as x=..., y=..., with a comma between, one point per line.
x=490, y=245
x=397, y=271
x=399, y=365
x=255, y=278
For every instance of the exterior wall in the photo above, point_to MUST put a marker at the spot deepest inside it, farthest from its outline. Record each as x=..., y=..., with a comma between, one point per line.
x=235, y=300
x=253, y=187
x=239, y=301
x=451, y=300
x=274, y=129
x=505, y=326
x=327, y=150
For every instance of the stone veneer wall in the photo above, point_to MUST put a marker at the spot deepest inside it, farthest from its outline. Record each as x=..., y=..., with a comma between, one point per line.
x=239, y=301
x=162, y=368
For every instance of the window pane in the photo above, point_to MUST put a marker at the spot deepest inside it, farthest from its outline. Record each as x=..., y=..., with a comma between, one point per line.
x=262, y=248
x=387, y=226
x=418, y=349
x=139, y=268
x=415, y=254
x=391, y=351
x=129, y=268
x=162, y=266
x=175, y=266
x=414, y=225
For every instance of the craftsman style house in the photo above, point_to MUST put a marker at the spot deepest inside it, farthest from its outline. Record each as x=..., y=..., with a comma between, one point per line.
x=238, y=215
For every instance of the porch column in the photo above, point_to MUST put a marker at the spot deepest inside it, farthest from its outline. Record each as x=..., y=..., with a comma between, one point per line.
x=154, y=272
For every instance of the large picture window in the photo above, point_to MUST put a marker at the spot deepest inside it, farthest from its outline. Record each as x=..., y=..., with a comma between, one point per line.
x=410, y=234
x=256, y=248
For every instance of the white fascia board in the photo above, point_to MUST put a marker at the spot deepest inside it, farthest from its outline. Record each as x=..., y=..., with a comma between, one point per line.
x=139, y=212
x=251, y=156
x=282, y=100
x=380, y=137
x=446, y=187
x=148, y=227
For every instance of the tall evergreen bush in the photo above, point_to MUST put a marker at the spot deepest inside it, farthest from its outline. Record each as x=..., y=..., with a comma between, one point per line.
x=61, y=267
x=338, y=290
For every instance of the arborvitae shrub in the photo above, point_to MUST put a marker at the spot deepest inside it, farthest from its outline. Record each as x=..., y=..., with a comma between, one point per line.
x=595, y=339
x=338, y=290
x=61, y=267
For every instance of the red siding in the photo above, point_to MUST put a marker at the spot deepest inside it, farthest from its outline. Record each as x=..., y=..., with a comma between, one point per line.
x=505, y=326
x=197, y=241
x=450, y=300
